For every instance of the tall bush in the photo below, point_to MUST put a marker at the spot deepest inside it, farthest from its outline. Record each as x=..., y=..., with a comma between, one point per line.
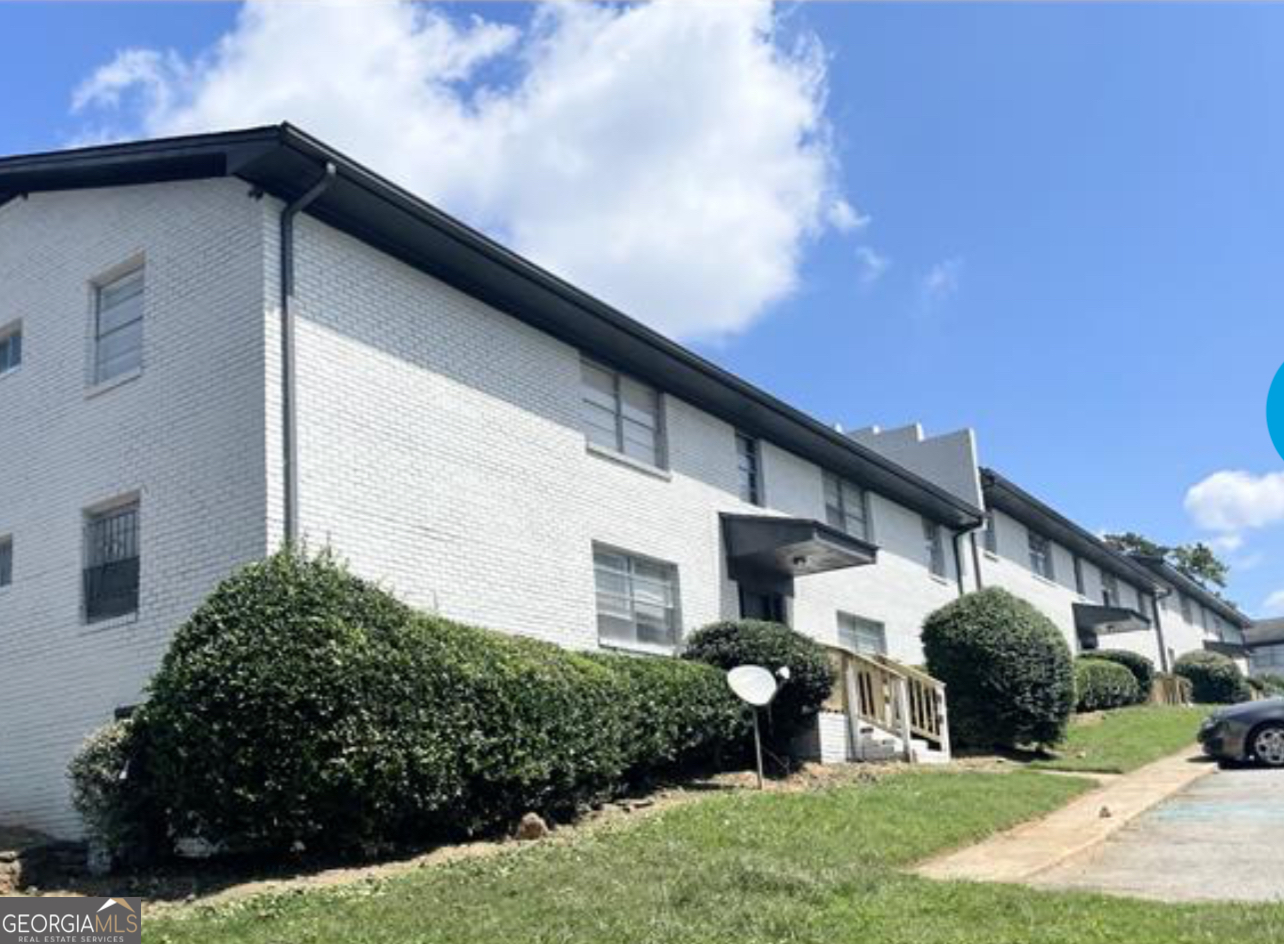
x=1142, y=669
x=302, y=704
x=1007, y=668
x=1214, y=678
x=1101, y=684
x=728, y=644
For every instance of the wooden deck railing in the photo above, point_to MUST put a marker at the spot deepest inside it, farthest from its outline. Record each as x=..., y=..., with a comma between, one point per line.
x=899, y=699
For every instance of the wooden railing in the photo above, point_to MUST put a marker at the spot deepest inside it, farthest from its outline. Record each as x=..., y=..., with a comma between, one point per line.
x=874, y=690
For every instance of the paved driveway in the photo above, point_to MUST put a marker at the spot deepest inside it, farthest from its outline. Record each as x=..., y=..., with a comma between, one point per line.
x=1220, y=838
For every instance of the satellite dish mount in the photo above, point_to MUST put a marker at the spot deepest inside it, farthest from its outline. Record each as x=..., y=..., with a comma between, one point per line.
x=756, y=687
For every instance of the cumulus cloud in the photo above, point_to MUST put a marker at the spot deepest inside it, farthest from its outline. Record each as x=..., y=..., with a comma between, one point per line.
x=672, y=157
x=942, y=281
x=870, y=265
x=1231, y=502
x=1274, y=603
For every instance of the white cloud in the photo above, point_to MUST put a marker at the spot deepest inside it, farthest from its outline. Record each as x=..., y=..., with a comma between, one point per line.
x=1231, y=502
x=1274, y=603
x=871, y=265
x=672, y=157
x=1227, y=542
x=942, y=281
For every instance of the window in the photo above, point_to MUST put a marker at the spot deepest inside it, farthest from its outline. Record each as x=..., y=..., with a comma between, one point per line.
x=1143, y=606
x=621, y=414
x=935, y=544
x=846, y=507
x=862, y=635
x=1186, y=613
x=111, y=563
x=118, y=327
x=10, y=348
x=1041, y=556
x=637, y=599
x=990, y=536
x=6, y=561
x=1109, y=589
x=1079, y=586
x=748, y=469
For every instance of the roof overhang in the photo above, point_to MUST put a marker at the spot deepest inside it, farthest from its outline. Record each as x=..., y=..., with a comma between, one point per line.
x=284, y=162
x=1011, y=499
x=1100, y=620
x=768, y=548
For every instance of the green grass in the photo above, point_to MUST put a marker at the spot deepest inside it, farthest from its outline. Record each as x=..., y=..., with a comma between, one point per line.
x=1126, y=738
x=743, y=868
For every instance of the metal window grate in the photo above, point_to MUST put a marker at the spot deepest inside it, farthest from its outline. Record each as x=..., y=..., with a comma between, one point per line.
x=6, y=561
x=111, y=563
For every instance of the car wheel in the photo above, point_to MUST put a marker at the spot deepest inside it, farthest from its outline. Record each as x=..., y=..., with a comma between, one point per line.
x=1268, y=745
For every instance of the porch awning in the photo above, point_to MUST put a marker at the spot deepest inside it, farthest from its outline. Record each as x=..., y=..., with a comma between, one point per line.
x=1100, y=620
x=769, y=547
x=1234, y=650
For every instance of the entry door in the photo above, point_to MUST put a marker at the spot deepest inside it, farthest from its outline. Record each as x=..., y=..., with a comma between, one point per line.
x=762, y=605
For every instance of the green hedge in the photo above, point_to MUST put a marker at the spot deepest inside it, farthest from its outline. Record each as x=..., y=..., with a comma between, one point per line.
x=1214, y=678
x=728, y=644
x=1272, y=685
x=1142, y=669
x=1101, y=684
x=302, y=704
x=1007, y=668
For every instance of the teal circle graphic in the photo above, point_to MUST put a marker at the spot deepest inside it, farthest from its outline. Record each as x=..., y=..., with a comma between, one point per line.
x=1275, y=411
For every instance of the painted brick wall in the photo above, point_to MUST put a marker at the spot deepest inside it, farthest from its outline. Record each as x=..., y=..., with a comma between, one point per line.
x=441, y=452
x=186, y=436
x=1010, y=569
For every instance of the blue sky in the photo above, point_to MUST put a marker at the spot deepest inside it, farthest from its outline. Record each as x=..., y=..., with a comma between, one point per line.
x=1064, y=223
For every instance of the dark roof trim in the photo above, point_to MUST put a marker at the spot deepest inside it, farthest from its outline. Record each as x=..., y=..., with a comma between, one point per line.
x=283, y=161
x=1008, y=497
x=1192, y=588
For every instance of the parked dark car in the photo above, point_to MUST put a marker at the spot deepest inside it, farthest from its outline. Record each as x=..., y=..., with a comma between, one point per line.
x=1252, y=730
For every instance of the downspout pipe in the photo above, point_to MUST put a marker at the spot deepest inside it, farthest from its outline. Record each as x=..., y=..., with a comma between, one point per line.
x=958, y=557
x=1161, y=594
x=289, y=374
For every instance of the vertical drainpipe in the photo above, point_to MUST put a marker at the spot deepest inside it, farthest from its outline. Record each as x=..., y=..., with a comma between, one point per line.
x=1159, y=628
x=289, y=378
x=958, y=558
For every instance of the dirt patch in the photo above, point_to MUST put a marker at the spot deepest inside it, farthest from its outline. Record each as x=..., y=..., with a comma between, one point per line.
x=214, y=882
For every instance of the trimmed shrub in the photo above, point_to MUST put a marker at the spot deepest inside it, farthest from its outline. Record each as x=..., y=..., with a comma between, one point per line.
x=1007, y=667
x=1142, y=669
x=1272, y=685
x=730, y=643
x=1100, y=684
x=108, y=791
x=300, y=704
x=1214, y=678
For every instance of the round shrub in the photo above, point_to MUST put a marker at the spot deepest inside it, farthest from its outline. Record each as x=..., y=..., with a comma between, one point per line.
x=1101, y=684
x=728, y=644
x=109, y=792
x=1214, y=678
x=1142, y=669
x=1007, y=668
x=300, y=704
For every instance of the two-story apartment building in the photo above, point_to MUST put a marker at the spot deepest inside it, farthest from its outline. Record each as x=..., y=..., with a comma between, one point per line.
x=1265, y=643
x=212, y=344
x=1099, y=598
x=1194, y=618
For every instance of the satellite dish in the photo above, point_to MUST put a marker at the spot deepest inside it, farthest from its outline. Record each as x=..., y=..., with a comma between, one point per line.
x=752, y=684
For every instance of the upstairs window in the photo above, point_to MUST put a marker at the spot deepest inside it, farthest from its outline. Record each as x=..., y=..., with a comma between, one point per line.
x=111, y=563
x=118, y=327
x=748, y=469
x=1186, y=613
x=1109, y=589
x=1041, y=556
x=621, y=414
x=990, y=536
x=934, y=541
x=637, y=599
x=10, y=348
x=1079, y=586
x=846, y=507
x=6, y=561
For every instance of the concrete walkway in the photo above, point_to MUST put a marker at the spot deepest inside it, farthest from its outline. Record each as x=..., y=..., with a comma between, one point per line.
x=1220, y=839
x=1022, y=853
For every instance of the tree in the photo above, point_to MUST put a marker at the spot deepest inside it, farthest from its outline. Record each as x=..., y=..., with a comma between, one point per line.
x=1197, y=561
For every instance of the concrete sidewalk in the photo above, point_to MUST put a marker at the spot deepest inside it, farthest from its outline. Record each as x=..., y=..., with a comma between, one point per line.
x=1029, y=849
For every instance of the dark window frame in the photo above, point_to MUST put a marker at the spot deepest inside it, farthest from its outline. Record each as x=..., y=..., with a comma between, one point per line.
x=112, y=558
x=749, y=469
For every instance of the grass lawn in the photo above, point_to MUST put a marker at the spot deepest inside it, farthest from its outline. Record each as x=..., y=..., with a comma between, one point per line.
x=743, y=867
x=1126, y=738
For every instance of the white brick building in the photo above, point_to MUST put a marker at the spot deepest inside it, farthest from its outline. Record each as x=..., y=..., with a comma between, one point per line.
x=486, y=440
